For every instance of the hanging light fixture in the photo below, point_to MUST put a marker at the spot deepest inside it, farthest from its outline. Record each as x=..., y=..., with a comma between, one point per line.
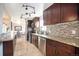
x=29, y=10
x=27, y=7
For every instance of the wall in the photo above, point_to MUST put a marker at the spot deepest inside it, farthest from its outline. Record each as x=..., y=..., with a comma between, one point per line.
x=1, y=49
x=1, y=14
x=41, y=21
x=16, y=21
x=46, y=5
x=69, y=29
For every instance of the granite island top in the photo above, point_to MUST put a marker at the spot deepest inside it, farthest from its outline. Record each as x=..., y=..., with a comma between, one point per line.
x=8, y=39
x=5, y=37
x=74, y=41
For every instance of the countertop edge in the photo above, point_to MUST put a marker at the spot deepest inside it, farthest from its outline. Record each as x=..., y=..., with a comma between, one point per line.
x=64, y=40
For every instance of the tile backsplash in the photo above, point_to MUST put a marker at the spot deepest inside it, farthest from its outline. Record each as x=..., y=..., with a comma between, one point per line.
x=67, y=29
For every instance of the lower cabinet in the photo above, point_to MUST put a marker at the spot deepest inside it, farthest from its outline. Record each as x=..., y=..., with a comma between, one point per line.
x=77, y=51
x=8, y=48
x=50, y=47
x=35, y=40
x=40, y=43
x=54, y=48
x=50, y=50
x=65, y=50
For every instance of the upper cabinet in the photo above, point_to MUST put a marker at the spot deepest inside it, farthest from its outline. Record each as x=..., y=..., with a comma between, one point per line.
x=68, y=12
x=45, y=17
x=60, y=12
x=55, y=13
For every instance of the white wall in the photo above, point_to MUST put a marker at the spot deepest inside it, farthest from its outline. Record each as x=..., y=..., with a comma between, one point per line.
x=1, y=14
x=1, y=49
x=41, y=21
x=46, y=5
x=1, y=9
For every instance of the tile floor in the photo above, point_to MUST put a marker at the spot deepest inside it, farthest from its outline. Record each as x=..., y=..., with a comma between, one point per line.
x=24, y=48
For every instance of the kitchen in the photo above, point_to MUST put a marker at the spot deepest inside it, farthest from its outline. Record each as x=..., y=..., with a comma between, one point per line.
x=61, y=34
x=55, y=31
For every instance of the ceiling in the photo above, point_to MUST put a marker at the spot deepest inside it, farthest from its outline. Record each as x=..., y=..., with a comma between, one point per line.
x=15, y=10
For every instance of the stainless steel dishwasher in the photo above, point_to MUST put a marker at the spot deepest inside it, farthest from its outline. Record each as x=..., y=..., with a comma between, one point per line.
x=42, y=45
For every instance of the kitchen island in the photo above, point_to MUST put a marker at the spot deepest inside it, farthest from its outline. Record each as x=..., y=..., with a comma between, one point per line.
x=56, y=45
x=6, y=43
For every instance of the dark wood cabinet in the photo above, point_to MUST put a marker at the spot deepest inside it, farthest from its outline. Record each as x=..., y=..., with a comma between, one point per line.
x=40, y=43
x=45, y=17
x=68, y=12
x=76, y=51
x=50, y=47
x=35, y=40
x=61, y=12
x=78, y=10
x=52, y=14
x=8, y=48
x=54, y=48
x=49, y=16
x=50, y=50
x=55, y=12
x=65, y=50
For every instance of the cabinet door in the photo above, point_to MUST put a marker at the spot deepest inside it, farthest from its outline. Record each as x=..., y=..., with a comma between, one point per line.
x=68, y=12
x=59, y=49
x=76, y=51
x=55, y=12
x=78, y=11
x=50, y=48
x=8, y=48
x=52, y=14
x=49, y=22
x=35, y=40
x=65, y=50
x=45, y=17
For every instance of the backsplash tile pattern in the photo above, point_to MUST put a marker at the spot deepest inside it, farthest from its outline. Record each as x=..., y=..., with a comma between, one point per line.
x=68, y=29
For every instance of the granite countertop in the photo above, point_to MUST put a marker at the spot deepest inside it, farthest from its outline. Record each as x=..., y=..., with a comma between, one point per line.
x=5, y=37
x=74, y=41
